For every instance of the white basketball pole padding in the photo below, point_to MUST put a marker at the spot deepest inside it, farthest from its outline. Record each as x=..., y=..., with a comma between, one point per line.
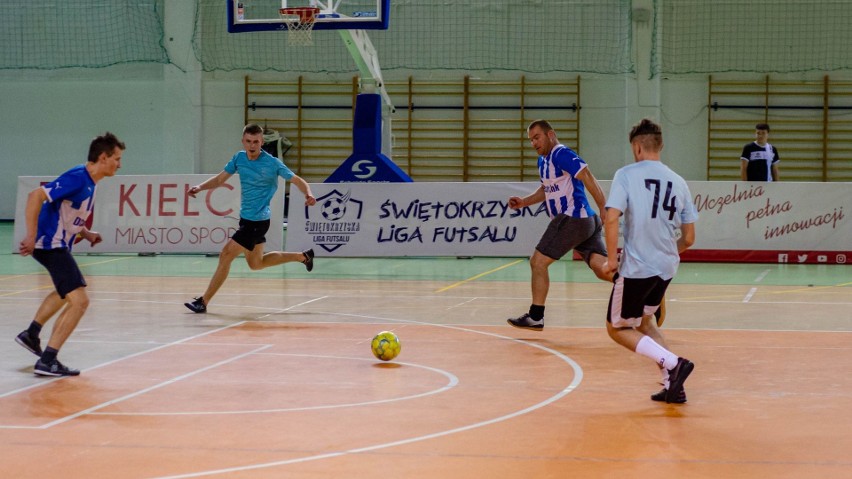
x=367, y=59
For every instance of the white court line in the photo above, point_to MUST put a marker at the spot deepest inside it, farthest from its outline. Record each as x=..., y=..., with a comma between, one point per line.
x=141, y=391
x=278, y=311
x=452, y=382
x=166, y=345
x=758, y=279
x=578, y=377
x=463, y=303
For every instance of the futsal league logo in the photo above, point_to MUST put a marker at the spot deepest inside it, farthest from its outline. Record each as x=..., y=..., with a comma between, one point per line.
x=337, y=222
x=334, y=208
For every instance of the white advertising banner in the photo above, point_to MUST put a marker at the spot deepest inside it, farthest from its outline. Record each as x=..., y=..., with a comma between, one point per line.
x=415, y=219
x=739, y=221
x=772, y=222
x=154, y=214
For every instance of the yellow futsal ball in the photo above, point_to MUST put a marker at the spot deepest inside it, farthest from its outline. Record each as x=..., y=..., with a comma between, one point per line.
x=385, y=346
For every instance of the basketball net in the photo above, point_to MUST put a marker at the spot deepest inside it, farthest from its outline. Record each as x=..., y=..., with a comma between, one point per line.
x=300, y=25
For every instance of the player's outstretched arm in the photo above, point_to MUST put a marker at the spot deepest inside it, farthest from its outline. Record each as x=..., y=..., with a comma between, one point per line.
x=516, y=202
x=305, y=188
x=593, y=188
x=210, y=183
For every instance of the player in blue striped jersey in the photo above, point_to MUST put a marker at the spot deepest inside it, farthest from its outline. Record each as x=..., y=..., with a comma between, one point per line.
x=659, y=218
x=565, y=182
x=55, y=216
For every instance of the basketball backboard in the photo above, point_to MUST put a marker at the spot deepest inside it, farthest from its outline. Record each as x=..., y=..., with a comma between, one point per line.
x=263, y=15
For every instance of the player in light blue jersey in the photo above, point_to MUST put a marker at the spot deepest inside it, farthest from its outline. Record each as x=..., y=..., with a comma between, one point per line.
x=56, y=215
x=259, y=172
x=565, y=182
x=659, y=218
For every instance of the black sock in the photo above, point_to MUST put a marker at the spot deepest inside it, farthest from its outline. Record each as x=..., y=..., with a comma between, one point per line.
x=536, y=312
x=34, y=330
x=49, y=355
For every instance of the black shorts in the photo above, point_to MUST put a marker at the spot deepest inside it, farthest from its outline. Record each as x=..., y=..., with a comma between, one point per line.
x=565, y=233
x=633, y=298
x=63, y=269
x=251, y=233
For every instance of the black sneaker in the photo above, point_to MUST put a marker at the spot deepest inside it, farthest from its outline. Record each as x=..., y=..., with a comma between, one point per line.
x=197, y=305
x=677, y=376
x=55, y=368
x=29, y=343
x=660, y=313
x=661, y=396
x=526, y=322
x=309, y=259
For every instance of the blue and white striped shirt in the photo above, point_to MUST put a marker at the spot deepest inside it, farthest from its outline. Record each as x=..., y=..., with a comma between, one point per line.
x=564, y=193
x=70, y=201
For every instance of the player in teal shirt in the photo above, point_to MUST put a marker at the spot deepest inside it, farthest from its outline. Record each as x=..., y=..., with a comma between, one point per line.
x=656, y=204
x=259, y=172
x=259, y=182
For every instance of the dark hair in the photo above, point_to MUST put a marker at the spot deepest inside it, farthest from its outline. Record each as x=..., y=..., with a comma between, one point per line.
x=253, y=129
x=543, y=124
x=106, y=143
x=762, y=126
x=648, y=133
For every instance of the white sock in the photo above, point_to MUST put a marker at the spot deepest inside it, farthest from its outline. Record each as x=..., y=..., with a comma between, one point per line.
x=649, y=348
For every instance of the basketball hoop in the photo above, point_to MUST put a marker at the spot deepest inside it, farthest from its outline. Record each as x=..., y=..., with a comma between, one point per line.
x=300, y=24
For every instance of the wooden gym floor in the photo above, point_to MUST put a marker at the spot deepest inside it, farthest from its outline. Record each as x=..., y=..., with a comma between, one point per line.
x=277, y=380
